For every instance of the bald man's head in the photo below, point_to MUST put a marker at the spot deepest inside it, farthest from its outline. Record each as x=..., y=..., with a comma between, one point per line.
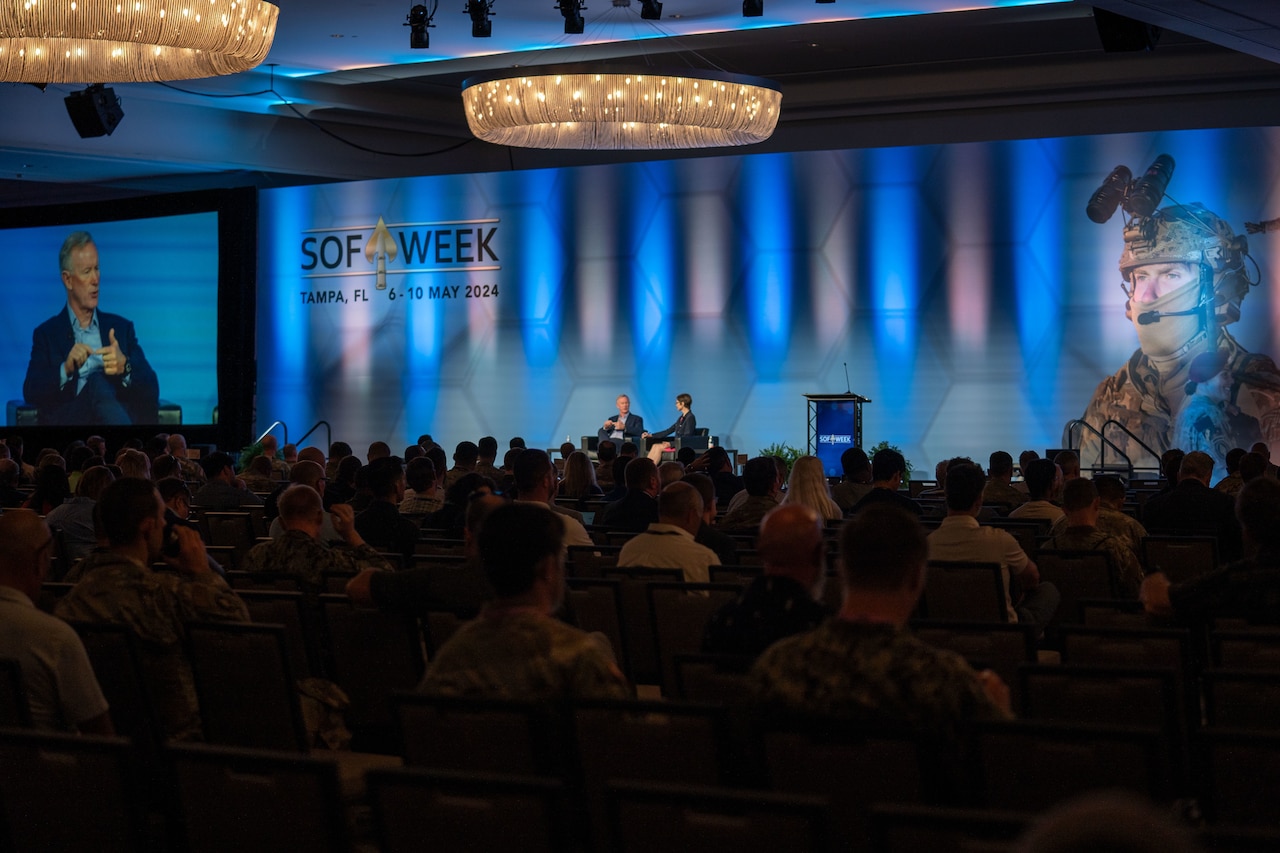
x=25, y=549
x=790, y=544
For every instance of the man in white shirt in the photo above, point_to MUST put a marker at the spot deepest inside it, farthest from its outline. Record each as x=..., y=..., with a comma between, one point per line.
x=669, y=542
x=536, y=483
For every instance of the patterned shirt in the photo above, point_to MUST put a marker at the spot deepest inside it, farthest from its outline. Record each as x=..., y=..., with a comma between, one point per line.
x=1125, y=562
x=770, y=608
x=873, y=674
x=296, y=553
x=521, y=653
x=156, y=607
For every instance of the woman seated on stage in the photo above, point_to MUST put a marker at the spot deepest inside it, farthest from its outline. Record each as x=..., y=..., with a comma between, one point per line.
x=579, y=478
x=685, y=425
x=807, y=486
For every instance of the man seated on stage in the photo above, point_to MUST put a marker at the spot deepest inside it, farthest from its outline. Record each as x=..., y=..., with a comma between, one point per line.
x=863, y=665
x=622, y=425
x=515, y=648
x=87, y=366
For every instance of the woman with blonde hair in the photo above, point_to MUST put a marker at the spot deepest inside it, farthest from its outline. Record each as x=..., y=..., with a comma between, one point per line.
x=807, y=486
x=579, y=478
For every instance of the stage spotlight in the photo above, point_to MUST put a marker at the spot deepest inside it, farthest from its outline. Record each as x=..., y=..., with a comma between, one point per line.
x=650, y=10
x=752, y=8
x=572, y=11
x=479, y=10
x=95, y=112
x=419, y=21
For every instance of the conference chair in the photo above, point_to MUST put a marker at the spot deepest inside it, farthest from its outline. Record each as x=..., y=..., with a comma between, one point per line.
x=301, y=628
x=596, y=607
x=1241, y=699
x=1239, y=774
x=1253, y=649
x=480, y=735
x=718, y=679
x=998, y=646
x=637, y=616
x=233, y=529
x=1077, y=575
x=902, y=828
x=680, y=615
x=956, y=590
x=117, y=664
x=1179, y=557
x=69, y=792
x=454, y=812
x=255, y=801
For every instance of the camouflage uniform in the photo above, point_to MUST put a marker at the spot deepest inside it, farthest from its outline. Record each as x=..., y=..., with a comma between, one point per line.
x=1122, y=526
x=191, y=470
x=875, y=675
x=519, y=653
x=1000, y=492
x=296, y=553
x=155, y=607
x=1125, y=562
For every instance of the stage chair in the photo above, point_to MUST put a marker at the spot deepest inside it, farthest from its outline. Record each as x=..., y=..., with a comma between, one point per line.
x=972, y=592
x=467, y=812
x=1179, y=557
x=644, y=817
x=915, y=828
x=680, y=615
x=479, y=735
x=69, y=792
x=597, y=607
x=255, y=801
x=21, y=413
x=1029, y=766
x=14, y=710
x=248, y=696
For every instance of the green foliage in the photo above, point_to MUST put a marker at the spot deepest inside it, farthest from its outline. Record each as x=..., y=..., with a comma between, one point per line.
x=884, y=445
x=786, y=451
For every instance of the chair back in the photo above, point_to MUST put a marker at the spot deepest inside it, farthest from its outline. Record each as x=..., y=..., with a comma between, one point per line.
x=718, y=679
x=1077, y=575
x=680, y=615
x=479, y=735
x=972, y=592
x=1238, y=771
x=903, y=828
x=999, y=647
x=234, y=529
x=289, y=609
x=1241, y=699
x=1253, y=649
x=1179, y=557
x=596, y=606
x=117, y=664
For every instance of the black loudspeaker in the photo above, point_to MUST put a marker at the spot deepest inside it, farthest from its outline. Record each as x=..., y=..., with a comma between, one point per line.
x=1119, y=34
x=95, y=111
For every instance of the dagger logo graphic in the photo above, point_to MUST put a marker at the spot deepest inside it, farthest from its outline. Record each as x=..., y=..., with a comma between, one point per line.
x=382, y=247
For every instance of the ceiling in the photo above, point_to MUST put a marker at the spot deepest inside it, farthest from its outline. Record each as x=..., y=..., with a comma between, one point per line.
x=343, y=97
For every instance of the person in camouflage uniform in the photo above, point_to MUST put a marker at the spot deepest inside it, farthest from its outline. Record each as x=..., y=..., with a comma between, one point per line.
x=1078, y=531
x=1111, y=516
x=1184, y=274
x=299, y=551
x=864, y=665
x=120, y=588
x=515, y=648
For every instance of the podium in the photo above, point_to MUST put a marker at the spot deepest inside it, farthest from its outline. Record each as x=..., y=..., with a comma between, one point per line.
x=834, y=425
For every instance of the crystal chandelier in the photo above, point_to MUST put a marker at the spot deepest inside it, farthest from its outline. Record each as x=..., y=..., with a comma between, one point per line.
x=131, y=41
x=578, y=108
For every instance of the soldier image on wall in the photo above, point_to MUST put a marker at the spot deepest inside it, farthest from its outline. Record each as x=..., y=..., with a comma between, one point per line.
x=1185, y=273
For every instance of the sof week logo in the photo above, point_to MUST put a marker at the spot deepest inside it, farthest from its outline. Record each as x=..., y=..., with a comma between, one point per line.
x=360, y=263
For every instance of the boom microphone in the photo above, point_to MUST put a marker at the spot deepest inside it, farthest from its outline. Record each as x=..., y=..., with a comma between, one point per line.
x=848, y=389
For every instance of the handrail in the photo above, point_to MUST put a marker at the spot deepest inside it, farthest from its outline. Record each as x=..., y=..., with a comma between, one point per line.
x=1154, y=455
x=275, y=424
x=328, y=430
x=1102, y=457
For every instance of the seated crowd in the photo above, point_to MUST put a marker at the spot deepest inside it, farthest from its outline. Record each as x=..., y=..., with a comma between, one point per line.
x=820, y=627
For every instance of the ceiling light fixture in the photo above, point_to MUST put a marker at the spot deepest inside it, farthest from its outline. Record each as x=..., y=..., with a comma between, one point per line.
x=419, y=21
x=572, y=11
x=87, y=41
x=575, y=107
x=752, y=8
x=479, y=10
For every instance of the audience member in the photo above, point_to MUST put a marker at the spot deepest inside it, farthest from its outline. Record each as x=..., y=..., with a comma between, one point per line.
x=606, y=452
x=450, y=519
x=465, y=457
x=418, y=592
x=856, y=482
x=62, y=691
x=1252, y=465
x=1041, y=477
x=515, y=649
x=785, y=598
x=669, y=472
x=1080, y=532
x=338, y=451
x=722, y=543
x=1069, y=462
x=1246, y=589
x=75, y=516
x=536, y=483
x=1230, y=484
x=1025, y=458
x=1110, y=821
x=863, y=665
x=1170, y=465
x=257, y=477
x=120, y=588
x=377, y=450
x=807, y=486
x=761, y=479
x=1194, y=508
x=50, y=491
x=579, y=478
x=10, y=495
x=298, y=550
x=223, y=491
x=959, y=538
x=381, y=524
x=716, y=464
x=421, y=497
x=638, y=508
x=305, y=473
x=1264, y=450
x=1111, y=516
x=999, y=489
x=342, y=486
x=487, y=457
x=887, y=469
x=940, y=477
x=669, y=543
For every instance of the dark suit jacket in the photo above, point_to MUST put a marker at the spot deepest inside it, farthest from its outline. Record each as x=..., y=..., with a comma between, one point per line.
x=636, y=511
x=686, y=425
x=632, y=428
x=51, y=342
x=1192, y=508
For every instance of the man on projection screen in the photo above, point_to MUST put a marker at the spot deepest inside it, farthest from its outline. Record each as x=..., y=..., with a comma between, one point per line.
x=1184, y=273
x=87, y=366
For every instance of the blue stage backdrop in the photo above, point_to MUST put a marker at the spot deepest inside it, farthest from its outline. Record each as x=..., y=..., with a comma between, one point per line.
x=972, y=299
